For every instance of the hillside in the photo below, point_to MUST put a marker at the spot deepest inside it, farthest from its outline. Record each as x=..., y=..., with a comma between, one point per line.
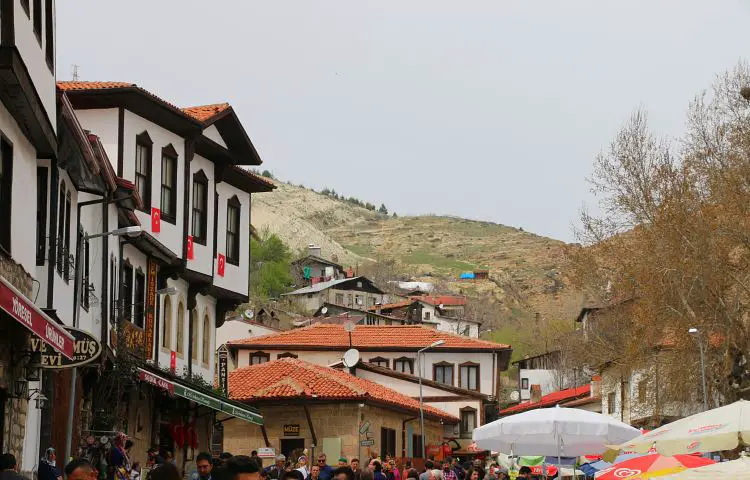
x=526, y=270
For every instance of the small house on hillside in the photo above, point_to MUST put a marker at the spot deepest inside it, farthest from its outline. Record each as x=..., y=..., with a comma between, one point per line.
x=313, y=268
x=449, y=311
x=357, y=292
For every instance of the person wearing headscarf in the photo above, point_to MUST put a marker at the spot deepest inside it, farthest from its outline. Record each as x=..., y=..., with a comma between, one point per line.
x=302, y=466
x=48, y=469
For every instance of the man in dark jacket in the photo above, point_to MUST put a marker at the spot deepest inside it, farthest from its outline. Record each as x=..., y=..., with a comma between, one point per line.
x=9, y=468
x=48, y=469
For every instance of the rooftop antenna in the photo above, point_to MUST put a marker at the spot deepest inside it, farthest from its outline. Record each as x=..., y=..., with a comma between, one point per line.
x=75, y=72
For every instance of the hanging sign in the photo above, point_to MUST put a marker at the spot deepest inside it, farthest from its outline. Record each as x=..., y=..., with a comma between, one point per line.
x=223, y=370
x=291, y=430
x=150, y=308
x=86, y=349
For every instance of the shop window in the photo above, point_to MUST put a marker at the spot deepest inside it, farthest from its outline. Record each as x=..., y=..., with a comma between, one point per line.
x=404, y=365
x=380, y=362
x=468, y=376
x=259, y=358
x=443, y=373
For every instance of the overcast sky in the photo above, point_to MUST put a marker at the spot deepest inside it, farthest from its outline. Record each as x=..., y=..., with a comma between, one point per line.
x=489, y=110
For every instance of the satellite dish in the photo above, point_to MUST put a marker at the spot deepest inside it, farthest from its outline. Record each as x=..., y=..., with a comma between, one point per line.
x=249, y=314
x=351, y=358
x=515, y=396
x=349, y=326
x=324, y=310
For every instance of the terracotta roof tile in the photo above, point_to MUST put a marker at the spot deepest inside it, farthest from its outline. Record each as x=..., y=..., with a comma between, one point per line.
x=258, y=178
x=66, y=86
x=446, y=300
x=550, y=400
x=204, y=112
x=291, y=378
x=372, y=337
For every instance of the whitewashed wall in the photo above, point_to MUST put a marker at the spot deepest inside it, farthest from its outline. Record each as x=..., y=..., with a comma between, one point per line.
x=103, y=123
x=235, y=277
x=239, y=329
x=543, y=378
x=203, y=255
x=213, y=133
x=63, y=290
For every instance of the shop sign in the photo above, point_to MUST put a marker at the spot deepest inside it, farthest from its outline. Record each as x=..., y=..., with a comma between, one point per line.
x=132, y=336
x=150, y=309
x=366, y=443
x=158, y=382
x=223, y=359
x=86, y=349
x=27, y=314
x=364, y=427
x=266, y=452
x=198, y=397
x=370, y=435
x=242, y=414
x=291, y=430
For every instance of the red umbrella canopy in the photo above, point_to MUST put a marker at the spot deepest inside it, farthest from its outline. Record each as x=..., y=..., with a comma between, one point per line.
x=651, y=464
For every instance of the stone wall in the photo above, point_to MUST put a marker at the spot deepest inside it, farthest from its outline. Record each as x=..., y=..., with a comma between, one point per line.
x=335, y=420
x=14, y=340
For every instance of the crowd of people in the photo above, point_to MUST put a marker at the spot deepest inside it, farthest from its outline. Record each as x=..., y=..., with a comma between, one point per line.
x=116, y=465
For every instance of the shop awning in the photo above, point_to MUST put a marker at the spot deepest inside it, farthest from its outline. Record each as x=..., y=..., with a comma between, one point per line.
x=176, y=387
x=23, y=310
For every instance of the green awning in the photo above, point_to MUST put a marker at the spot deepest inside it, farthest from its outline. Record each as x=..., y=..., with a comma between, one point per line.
x=215, y=402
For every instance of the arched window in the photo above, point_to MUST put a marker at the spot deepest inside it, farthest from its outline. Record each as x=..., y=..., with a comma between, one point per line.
x=194, y=339
x=180, y=347
x=166, y=339
x=206, y=339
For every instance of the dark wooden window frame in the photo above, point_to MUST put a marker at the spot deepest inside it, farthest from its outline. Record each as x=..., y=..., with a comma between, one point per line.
x=417, y=450
x=435, y=367
x=112, y=289
x=49, y=35
x=387, y=441
x=462, y=411
x=378, y=360
x=524, y=384
x=168, y=154
x=86, y=273
x=408, y=361
x=234, y=257
x=139, y=298
x=37, y=20
x=26, y=7
x=68, y=218
x=286, y=355
x=144, y=140
x=6, y=193
x=265, y=355
x=478, y=375
x=42, y=192
x=200, y=208
x=611, y=402
x=126, y=284
x=60, y=229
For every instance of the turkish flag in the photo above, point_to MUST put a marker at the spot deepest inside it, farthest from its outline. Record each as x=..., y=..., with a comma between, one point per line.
x=190, y=247
x=172, y=361
x=220, y=268
x=155, y=220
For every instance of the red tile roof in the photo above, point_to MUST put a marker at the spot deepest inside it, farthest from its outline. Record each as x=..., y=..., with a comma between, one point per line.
x=550, y=400
x=205, y=112
x=257, y=178
x=368, y=337
x=446, y=300
x=290, y=378
x=389, y=306
x=65, y=86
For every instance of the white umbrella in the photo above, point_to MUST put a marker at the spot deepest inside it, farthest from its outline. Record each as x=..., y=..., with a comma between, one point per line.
x=722, y=428
x=736, y=469
x=553, y=431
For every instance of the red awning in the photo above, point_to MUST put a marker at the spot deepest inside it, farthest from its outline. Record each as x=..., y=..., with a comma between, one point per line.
x=27, y=314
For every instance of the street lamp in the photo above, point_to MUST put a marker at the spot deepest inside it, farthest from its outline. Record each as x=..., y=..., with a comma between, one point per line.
x=127, y=231
x=694, y=331
x=421, y=410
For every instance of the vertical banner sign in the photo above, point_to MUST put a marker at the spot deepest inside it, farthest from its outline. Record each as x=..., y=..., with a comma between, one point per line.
x=155, y=220
x=190, y=247
x=172, y=361
x=222, y=351
x=150, y=309
x=222, y=262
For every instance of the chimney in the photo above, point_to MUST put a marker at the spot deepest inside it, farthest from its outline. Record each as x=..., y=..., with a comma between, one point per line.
x=596, y=386
x=313, y=250
x=536, y=393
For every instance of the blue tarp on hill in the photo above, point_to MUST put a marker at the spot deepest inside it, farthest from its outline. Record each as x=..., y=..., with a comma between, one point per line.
x=467, y=276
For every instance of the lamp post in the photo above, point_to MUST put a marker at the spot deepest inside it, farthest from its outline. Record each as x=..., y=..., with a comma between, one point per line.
x=419, y=374
x=697, y=333
x=129, y=231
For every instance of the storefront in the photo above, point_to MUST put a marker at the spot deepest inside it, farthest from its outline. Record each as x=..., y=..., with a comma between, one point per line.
x=176, y=416
x=19, y=320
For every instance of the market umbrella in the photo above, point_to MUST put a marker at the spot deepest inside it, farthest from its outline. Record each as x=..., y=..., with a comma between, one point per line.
x=736, y=469
x=649, y=466
x=723, y=428
x=553, y=431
